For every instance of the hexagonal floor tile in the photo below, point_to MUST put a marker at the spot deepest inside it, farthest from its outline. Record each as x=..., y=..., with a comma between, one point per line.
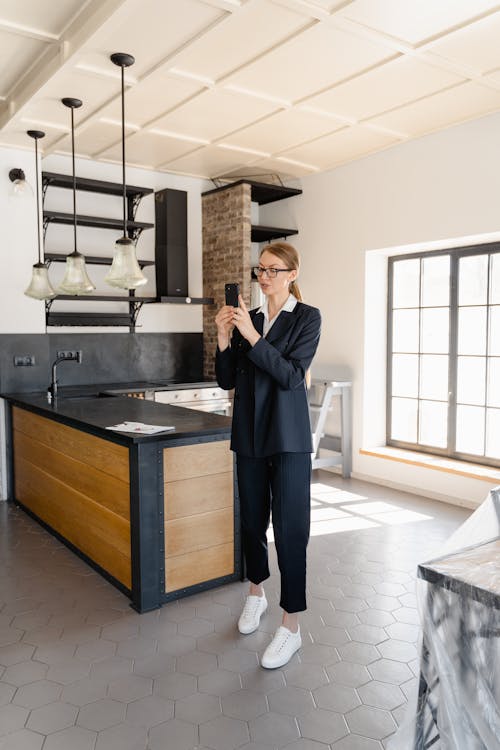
x=244, y=705
x=307, y=676
x=101, y=714
x=381, y=695
x=173, y=733
x=22, y=739
x=123, y=737
x=387, y=670
x=323, y=726
x=175, y=685
x=274, y=729
x=24, y=673
x=220, y=682
x=339, y=698
x=131, y=687
x=75, y=738
x=52, y=718
x=348, y=673
x=150, y=711
x=198, y=708
x=37, y=694
x=373, y=723
x=290, y=700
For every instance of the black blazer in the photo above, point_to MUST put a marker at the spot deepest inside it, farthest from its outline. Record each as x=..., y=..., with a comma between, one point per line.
x=270, y=413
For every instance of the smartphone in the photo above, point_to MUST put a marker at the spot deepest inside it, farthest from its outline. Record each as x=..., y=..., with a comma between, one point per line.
x=232, y=291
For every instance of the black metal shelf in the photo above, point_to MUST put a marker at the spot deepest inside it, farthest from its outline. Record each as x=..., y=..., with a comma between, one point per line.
x=262, y=192
x=100, y=222
x=88, y=319
x=54, y=179
x=266, y=234
x=95, y=260
x=187, y=300
x=104, y=298
x=133, y=194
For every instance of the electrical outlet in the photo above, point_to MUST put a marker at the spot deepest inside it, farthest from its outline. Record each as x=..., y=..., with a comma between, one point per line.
x=28, y=360
x=74, y=355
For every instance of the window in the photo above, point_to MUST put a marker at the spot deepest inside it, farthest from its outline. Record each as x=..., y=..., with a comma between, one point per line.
x=443, y=369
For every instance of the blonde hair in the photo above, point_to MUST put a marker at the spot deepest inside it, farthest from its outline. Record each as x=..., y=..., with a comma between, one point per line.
x=289, y=255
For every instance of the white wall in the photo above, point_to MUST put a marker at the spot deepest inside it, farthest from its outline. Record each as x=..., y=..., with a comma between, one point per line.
x=445, y=185
x=19, y=230
x=18, y=314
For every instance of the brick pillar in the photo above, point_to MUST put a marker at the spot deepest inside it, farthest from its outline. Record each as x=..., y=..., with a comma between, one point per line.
x=226, y=223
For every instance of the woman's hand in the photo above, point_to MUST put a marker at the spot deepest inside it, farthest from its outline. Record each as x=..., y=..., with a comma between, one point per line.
x=224, y=323
x=243, y=322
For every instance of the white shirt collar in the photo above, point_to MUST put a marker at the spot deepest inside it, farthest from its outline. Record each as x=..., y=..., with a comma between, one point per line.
x=287, y=307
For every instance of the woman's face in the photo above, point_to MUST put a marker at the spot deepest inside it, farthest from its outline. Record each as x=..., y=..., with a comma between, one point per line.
x=283, y=278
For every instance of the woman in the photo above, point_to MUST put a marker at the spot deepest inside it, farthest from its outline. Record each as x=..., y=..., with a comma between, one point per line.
x=266, y=360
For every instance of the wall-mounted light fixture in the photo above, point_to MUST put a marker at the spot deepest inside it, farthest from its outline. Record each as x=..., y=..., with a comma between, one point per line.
x=40, y=287
x=20, y=185
x=76, y=280
x=125, y=272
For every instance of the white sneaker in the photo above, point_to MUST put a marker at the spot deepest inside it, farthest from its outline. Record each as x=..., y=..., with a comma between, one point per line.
x=254, y=608
x=282, y=648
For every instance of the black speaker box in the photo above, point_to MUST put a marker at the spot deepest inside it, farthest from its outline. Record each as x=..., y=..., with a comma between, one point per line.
x=171, y=251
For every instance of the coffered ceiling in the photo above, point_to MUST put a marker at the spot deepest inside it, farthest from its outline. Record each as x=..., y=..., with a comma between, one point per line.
x=245, y=87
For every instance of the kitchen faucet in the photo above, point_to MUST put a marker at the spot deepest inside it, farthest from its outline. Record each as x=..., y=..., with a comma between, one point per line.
x=67, y=357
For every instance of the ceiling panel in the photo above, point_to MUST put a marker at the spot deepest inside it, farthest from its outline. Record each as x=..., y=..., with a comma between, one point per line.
x=318, y=58
x=415, y=20
x=455, y=105
x=94, y=91
x=388, y=86
x=215, y=113
x=17, y=53
x=475, y=46
x=152, y=31
x=152, y=97
x=283, y=130
x=48, y=17
x=350, y=143
x=91, y=139
x=15, y=137
x=254, y=28
x=210, y=161
x=263, y=169
x=149, y=149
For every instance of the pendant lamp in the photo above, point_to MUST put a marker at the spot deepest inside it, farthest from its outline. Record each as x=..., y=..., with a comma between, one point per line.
x=76, y=280
x=40, y=287
x=125, y=272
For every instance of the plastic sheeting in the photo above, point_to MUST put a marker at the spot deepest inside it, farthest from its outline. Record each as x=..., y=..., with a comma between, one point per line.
x=458, y=701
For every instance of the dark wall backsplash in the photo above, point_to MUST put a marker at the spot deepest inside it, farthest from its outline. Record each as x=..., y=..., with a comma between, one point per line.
x=106, y=358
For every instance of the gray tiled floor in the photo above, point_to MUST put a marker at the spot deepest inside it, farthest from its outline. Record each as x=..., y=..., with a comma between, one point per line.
x=79, y=670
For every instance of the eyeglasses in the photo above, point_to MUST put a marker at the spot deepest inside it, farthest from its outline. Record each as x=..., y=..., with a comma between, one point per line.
x=271, y=273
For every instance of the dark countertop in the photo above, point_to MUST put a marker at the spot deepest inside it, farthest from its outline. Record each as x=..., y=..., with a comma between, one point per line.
x=80, y=407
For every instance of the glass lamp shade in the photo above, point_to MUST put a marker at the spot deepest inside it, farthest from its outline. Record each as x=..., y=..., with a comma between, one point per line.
x=125, y=272
x=76, y=280
x=40, y=286
x=20, y=186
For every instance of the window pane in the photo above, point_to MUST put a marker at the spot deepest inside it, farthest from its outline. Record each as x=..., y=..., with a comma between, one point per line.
x=472, y=280
x=493, y=433
x=435, y=330
x=405, y=331
x=470, y=430
x=495, y=279
x=472, y=330
x=494, y=337
x=405, y=375
x=436, y=281
x=493, y=382
x=404, y=419
x=433, y=424
x=406, y=283
x=471, y=372
x=434, y=376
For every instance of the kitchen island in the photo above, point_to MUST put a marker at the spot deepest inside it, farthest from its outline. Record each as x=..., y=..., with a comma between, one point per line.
x=158, y=514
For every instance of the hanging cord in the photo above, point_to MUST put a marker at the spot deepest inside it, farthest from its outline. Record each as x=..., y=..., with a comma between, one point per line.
x=74, y=174
x=37, y=202
x=123, y=155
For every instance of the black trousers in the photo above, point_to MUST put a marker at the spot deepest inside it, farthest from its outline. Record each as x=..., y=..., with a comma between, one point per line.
x=280, y=485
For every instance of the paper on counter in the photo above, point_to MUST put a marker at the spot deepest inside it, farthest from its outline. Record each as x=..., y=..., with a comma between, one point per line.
x=140, y=427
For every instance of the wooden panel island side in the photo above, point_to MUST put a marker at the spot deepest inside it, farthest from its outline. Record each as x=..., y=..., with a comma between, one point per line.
x=158, y=515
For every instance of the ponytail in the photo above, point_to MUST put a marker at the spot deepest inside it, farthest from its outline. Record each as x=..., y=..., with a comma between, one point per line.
x=294, y=289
